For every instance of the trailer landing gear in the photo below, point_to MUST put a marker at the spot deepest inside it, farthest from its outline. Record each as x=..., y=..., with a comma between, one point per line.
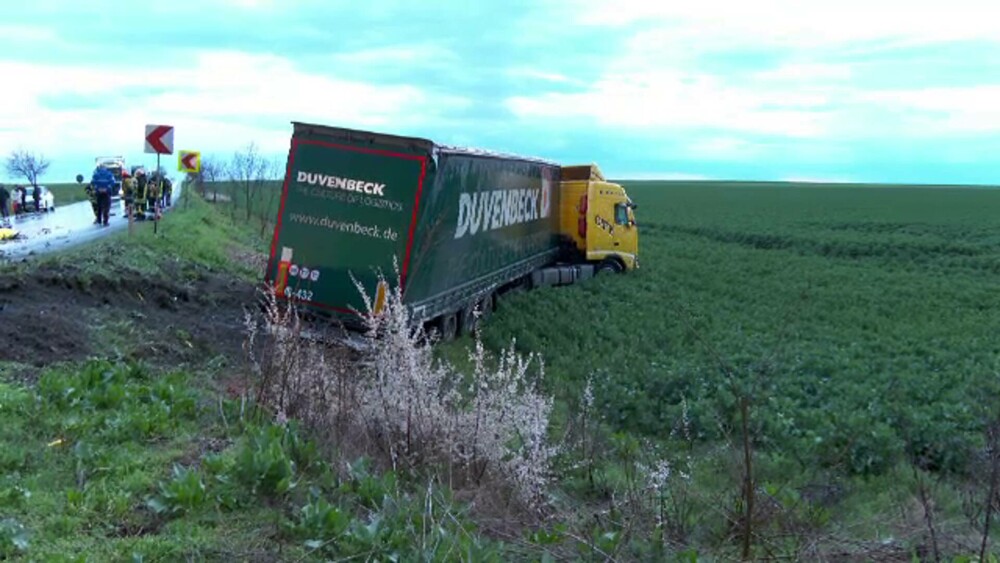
x=486, y=307
x=476, y=313
x=470, y=322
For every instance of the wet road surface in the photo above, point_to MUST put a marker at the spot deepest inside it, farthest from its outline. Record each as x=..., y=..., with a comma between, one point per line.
x=67, y=226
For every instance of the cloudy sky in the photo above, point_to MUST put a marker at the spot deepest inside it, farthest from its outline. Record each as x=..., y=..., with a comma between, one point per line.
x=851, y=90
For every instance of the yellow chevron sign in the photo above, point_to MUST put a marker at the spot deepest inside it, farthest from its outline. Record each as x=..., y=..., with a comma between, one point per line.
x=189, y=161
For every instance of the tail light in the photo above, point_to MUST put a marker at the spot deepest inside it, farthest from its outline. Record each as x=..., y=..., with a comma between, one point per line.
x=380, y=296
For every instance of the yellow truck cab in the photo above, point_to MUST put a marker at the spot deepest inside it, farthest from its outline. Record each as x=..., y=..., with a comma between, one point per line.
x=598, y=216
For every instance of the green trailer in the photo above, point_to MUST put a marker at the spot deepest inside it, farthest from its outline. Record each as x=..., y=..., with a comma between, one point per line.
x=460, y=225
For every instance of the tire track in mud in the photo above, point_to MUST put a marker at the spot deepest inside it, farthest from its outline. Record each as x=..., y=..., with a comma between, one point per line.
x=61, y=313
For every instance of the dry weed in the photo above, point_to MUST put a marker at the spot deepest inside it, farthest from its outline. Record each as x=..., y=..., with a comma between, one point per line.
x=400, y=405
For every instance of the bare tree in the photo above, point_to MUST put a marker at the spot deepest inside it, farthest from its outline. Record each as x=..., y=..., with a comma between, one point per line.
x=208, y=171
x=249, y=172
x=212, y=172
x=277, y=171
x=29, y=165
x=272, y=193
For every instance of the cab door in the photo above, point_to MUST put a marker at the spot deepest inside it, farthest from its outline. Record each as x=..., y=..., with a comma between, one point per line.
x=627, y=233
x=602, y=232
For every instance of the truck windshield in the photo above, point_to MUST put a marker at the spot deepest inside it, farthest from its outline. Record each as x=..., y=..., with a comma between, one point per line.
x=621, y=214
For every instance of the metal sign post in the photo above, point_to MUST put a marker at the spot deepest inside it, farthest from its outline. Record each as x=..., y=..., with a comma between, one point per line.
x=156, y=203
x=159, y=140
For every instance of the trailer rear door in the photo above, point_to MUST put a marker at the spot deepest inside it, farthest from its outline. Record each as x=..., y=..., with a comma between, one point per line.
x=347, y=208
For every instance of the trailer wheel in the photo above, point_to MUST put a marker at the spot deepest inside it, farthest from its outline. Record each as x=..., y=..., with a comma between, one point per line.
x=449, y=327
x=469, y=320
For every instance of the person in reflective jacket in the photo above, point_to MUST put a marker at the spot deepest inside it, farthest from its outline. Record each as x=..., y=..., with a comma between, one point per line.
x=104, y=183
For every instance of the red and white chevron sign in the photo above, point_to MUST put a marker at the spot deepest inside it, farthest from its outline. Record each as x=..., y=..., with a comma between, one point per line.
x=160, y=139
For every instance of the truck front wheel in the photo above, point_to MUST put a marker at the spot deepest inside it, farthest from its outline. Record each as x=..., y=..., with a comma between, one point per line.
x=610, y=266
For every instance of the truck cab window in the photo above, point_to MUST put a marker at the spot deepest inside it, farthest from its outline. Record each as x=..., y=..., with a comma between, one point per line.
x=621, y=214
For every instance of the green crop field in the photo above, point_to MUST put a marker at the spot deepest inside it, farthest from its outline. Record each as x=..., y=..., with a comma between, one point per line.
x=861, y=319
x=862, y=323
x=865, y=317
x=67, y=193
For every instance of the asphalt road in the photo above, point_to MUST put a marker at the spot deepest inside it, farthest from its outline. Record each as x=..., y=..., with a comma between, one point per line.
x=67, y=226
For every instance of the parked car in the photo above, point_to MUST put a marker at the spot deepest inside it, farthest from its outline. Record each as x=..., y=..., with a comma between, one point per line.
x=46, y=203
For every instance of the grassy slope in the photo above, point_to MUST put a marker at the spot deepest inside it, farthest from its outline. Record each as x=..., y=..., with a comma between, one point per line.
x=85, y=495
x=267, y=200
x=117, y=463
x=877, y=301
x=106, y=461
x=192, y=234
x=84, y=454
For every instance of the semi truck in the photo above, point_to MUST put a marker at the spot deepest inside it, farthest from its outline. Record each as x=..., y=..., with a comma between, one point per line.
x=462, y=225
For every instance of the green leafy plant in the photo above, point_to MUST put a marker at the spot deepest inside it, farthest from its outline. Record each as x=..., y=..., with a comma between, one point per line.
x=13, y=537
x=185, y=492
x=264, y=463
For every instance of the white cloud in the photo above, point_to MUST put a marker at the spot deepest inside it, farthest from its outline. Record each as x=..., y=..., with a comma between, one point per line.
x=813, y=72
x=240, y=86
x=973, y=109
x=398, y=54
x=679, y=176
x=546, y=76
x=27, y=33
x=250, y=4
x=816, y=180
x=711, y=23
x=723, y=148
x=658, y=79
x=977, y=99
x=673, y=99
x=220, y=103
x=662, y=81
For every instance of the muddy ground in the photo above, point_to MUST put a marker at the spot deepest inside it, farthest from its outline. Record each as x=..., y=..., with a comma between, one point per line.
x=59, y=313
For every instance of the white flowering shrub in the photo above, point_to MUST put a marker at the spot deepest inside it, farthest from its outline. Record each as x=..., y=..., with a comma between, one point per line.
x=397, y=402
x=289, y=371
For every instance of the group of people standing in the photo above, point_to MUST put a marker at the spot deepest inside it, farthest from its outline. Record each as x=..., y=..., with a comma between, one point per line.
x=20, y=193
x=140, y=193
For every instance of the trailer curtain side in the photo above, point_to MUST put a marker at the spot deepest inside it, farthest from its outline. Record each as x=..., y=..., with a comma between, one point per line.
x=456, y=220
